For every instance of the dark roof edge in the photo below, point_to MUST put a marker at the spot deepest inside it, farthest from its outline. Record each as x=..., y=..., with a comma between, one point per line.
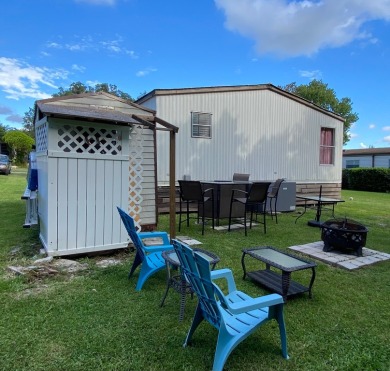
x=235, y=88
x=367, y=151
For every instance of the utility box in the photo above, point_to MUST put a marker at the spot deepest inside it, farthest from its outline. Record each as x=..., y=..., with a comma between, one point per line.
x=286, y=197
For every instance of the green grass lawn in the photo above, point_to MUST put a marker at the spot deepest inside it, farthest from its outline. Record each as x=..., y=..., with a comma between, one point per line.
x=94, y=320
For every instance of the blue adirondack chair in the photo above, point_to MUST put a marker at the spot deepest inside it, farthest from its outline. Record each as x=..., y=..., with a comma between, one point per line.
x=235, y=315
x=149, y=256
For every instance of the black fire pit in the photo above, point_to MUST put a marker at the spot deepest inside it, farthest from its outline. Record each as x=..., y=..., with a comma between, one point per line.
x=344, y=234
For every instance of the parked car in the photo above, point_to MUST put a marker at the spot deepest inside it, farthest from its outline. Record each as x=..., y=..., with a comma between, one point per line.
x=5, y=165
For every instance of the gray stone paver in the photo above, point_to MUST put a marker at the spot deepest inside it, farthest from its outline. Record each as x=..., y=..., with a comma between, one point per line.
x=348, y=261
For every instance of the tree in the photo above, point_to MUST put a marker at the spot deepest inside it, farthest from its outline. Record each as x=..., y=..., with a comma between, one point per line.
x=74, y=88
x=3, y=131
x=112, y=89
x=28, y=122
x=20, y=144
x=318, y=93
x=80, y=88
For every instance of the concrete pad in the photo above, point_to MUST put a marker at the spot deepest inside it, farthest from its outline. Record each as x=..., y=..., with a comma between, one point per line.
x=234, y=226
x=188, y=240
x=339, y=259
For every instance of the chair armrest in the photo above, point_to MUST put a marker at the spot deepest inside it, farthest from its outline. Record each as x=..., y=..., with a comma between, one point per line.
x=254, y=303
x=239, y=190
x=151, y=249
x=162, y=235
x=226, y=274
x=208, y=190
x=165, y=245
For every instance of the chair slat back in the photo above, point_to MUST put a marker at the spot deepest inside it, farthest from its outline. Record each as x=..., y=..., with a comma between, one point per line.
x=258, y=192
x=275, y=188
x=240, y=177
x=128, y=222
x=191, y=190
x=197, y=270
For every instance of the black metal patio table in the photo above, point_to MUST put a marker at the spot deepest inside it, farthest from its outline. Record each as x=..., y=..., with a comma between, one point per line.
x=222, y=195
x=287, y=263
x=320, y=202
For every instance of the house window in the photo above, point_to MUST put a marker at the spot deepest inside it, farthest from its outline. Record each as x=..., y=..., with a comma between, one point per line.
x=350, y=164
x=200, y=125
x=327, y=146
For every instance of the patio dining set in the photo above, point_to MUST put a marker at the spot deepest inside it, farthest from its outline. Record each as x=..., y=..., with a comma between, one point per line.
x=233, y=200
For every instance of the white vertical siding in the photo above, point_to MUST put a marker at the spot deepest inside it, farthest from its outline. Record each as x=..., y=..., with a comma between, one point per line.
x=258, y=132
x=382, y=161
x=369, y=160
x=78, y=198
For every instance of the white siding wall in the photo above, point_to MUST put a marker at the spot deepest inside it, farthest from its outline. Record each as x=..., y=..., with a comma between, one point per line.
x=259, y=132
x=366, y=160
x=79, y=192
x=382, y=161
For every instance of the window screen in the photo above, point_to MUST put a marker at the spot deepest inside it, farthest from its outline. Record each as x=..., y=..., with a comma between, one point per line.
x=200, y=125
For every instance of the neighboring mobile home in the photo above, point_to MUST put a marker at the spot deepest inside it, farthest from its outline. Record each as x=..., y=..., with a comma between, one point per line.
x=260, y=130
x=366, y=157
x=94, y=152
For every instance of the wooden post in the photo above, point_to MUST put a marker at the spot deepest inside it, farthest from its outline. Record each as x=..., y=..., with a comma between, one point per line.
x=172, y=187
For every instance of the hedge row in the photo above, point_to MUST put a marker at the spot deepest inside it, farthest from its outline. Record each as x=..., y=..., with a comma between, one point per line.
x=367, y=179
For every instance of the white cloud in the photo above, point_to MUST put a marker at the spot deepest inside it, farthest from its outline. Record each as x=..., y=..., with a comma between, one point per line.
x=316, y=74
x=89, y=42
x=145, y=72
x=371, y=126
x=353, y=135
x=362, y=145
x=386, y=128
x=92, y=82
x=386, y=139
x=19, y=80
x=78, y=68
x=293, y=28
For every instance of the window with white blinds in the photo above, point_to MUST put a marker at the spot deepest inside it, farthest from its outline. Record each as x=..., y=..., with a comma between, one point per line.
x=200, y=125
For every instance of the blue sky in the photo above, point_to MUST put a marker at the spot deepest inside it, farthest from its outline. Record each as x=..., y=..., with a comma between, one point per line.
x=141, y=45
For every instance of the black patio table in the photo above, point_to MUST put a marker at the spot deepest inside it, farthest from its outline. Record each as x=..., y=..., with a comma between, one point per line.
x=287, y=263
x=320, y=202
x=222, y=195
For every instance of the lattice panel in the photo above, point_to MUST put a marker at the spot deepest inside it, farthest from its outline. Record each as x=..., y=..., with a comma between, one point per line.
x=41, y=138
x=81, y=139
x=136, y=169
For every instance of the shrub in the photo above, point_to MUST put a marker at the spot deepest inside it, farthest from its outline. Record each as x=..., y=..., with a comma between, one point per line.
x=366, y=179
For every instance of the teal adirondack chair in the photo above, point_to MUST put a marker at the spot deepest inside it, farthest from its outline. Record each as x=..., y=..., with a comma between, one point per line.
x=235, y=315
x=149, y=256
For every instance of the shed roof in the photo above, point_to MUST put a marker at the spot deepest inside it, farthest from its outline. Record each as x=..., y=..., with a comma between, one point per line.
x=98, y=107
x=236, y=88
x=366, y=151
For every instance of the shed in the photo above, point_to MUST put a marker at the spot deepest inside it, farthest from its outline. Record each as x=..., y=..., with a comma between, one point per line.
x=366, y=157
x=259, y=130
x=94, y=152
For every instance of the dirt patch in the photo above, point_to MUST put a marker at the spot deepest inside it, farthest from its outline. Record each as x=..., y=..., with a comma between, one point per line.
x=40, y=273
